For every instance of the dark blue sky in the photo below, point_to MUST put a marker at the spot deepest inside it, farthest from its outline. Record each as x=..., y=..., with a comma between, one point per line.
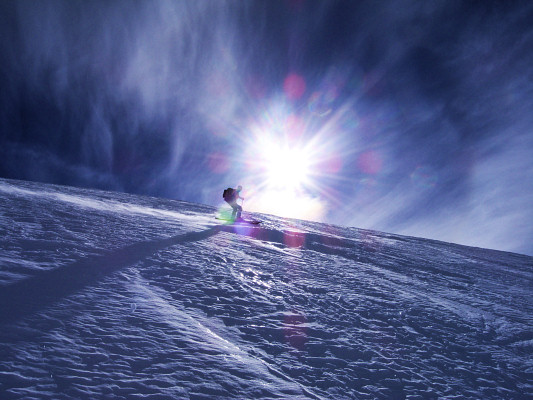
x=402, y=116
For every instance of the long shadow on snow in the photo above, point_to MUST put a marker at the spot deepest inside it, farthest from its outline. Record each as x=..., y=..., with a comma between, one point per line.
x=305, y=240
x=32, y=294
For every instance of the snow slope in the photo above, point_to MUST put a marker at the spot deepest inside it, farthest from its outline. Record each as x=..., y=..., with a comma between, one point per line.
x=112, y=296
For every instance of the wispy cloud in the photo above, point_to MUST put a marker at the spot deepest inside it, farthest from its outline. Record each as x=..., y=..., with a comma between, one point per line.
x=425, y=123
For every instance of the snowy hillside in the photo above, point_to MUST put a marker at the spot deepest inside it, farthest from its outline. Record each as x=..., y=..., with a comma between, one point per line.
x=112, y=296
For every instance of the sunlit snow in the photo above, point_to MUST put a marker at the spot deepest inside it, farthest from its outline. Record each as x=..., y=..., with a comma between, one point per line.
x=109, y=295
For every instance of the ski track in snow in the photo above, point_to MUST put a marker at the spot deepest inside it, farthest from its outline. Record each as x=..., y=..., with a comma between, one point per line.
x=109, y=295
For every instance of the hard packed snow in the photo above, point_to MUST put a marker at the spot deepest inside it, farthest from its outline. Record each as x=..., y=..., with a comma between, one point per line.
x=114, y=296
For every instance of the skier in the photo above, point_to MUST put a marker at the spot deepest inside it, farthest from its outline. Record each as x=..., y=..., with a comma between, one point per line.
x=231, y=196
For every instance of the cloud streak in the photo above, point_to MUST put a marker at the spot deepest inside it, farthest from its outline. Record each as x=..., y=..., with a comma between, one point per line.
x=424, y=125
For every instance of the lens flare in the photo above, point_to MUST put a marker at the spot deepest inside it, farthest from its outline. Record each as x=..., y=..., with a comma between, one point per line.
x=291, y=149
x=291, y=159
x=293, y=238
x=295, y=329
x=370, y=162
x=284, y=176
x=294, y=126
x=294, y=86
x=218, y=162
x=331, y=164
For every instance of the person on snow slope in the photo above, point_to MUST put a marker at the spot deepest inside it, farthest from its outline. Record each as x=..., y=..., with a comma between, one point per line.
x=231, y=196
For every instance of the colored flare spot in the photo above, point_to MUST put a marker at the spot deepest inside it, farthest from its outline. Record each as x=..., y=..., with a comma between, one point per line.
x=293, y=239
x=218, y=162
x=294, y=86
x=224, y=214
x=294, y=126
x=370, y=162
x=295, y=330
x=244, y=229
x=331, y=164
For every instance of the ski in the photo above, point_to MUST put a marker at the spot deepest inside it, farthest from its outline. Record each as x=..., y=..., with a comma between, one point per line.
x=240, y=221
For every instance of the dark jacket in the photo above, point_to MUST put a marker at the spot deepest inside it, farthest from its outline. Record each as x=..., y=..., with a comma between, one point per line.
x=231, y=195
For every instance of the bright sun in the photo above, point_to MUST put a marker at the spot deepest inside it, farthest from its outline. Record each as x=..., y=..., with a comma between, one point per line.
x=287, y=161
x=283, y=176
x=285, y=168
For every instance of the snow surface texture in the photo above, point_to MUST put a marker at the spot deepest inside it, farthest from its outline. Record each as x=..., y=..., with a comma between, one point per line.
x=108, y=295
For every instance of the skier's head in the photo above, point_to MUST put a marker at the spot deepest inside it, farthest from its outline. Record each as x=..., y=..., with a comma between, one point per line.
x=239, y=188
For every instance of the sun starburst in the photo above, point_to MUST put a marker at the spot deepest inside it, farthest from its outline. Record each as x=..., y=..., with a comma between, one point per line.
x=287, y=166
